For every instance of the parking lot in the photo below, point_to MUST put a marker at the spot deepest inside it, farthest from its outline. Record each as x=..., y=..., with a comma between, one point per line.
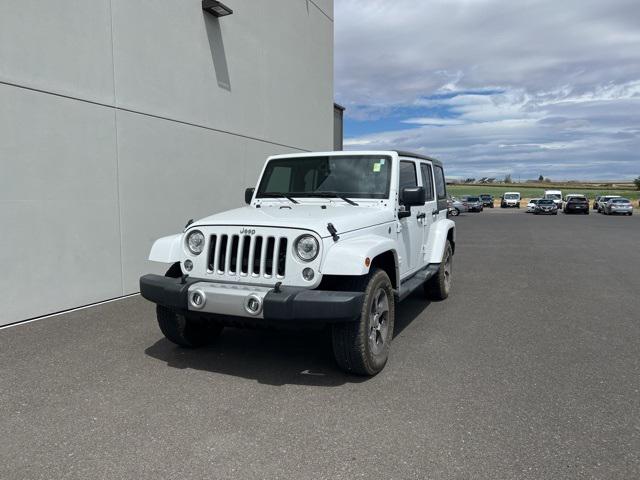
x=531, y=369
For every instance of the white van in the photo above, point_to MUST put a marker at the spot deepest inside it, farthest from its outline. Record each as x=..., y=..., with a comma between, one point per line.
x=510, y=200
x=555, y=195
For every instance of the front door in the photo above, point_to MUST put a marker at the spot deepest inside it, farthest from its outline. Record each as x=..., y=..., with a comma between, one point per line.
x=411, y=226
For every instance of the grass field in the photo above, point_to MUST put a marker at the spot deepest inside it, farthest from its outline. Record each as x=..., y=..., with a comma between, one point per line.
x=537, y=191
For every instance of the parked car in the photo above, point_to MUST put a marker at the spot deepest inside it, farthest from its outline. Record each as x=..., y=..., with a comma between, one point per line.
x=618, y=206
x=576, y=204
x=546, y=206
x=602, y=201
x=555, y=195
x=532, y=204
x=569, y=196
x=456, y=206
x=510, y=200
x=474, y=204
x=487, y=200
x=319, y=243
x=595, y=202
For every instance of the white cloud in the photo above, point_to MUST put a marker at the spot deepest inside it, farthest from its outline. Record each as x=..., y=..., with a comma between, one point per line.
x=433, y=121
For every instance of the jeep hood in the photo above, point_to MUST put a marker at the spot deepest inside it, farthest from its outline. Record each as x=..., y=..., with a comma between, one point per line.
x=309, y=217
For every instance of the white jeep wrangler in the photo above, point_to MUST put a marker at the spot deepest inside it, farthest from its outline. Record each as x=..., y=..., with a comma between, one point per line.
x=328, y=238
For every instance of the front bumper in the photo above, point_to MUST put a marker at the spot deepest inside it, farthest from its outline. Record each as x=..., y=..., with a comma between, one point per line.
x=288, y=304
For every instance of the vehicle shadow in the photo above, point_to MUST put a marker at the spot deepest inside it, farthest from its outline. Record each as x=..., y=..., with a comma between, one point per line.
x=275, y=357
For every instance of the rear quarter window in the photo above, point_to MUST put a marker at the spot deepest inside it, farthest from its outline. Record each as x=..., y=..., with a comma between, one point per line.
x=441, y=186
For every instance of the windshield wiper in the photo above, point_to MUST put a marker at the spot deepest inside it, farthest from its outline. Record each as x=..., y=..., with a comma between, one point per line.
x=279, y=195
x=333, y=195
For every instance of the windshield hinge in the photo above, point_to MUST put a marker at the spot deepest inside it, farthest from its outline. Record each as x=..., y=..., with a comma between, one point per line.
x=333, y=232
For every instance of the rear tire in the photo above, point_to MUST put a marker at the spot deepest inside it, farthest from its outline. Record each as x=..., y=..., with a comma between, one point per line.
x=362, y=347
x=438, y=287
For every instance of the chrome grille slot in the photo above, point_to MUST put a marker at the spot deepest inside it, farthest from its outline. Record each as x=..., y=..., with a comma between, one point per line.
x=244, y=252
x=221, y=254
x=233, y=265
x=212, y=253
x=269, y=256
x=282, y=257
x=258, y=256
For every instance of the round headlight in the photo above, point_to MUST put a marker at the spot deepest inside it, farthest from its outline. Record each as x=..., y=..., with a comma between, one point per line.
x=306, y=247
x=195, y=242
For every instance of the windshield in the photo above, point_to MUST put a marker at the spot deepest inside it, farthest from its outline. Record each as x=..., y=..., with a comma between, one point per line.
x=359, y=176
x=485, y=197
x=511, y=196
x=546, y=201
x=577, y=199
x=553, y=196
x=620, y=200
x=473, y=199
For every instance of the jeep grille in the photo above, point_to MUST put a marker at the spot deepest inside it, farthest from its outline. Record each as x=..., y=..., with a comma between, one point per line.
x=247, y=255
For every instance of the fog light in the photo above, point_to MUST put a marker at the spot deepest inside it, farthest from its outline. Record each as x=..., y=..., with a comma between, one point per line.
x=253, y=304
x=197, y=299
x=188, y=265
x=308, y=274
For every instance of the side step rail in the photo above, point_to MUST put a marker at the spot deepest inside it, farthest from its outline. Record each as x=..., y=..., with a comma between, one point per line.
x=408, y=285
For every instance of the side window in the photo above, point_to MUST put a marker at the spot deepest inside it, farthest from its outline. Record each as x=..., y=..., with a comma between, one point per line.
x=408, y=176
x=427, y=181
x=441, y=188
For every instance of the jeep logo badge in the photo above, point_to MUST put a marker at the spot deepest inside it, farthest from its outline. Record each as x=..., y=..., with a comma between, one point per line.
x=248, y=231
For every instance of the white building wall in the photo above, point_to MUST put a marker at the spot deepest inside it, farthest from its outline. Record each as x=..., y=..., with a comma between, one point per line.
x=121, y=120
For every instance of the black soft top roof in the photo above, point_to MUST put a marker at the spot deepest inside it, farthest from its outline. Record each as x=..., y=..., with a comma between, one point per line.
x=435, y=161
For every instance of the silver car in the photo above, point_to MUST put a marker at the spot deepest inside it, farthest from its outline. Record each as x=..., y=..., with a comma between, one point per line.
x=602, y=201
x=618, y=206
x=456, y=206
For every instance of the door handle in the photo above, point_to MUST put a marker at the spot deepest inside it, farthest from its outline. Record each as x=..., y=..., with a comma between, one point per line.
x=435, y=212
x=421, y=215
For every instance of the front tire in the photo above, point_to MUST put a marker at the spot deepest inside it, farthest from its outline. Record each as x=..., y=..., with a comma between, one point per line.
x=186, y=331
x=182, y=329
x=438, y=287
x=454, y=212
x=362, y=347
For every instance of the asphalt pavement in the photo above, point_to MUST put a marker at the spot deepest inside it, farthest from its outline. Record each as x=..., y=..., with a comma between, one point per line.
x=531, y=369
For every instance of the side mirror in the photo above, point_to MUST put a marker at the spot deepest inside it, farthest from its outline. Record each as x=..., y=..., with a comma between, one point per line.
x=412, y=196
x=248, y=195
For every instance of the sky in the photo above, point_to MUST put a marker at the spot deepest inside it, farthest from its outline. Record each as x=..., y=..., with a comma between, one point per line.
x=494, y=87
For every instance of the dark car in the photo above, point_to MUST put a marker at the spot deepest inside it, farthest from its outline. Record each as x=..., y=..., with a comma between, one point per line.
x=474, y=204
x=577, y=205
x=595, y=202
x=546, y=206
x=487, y=200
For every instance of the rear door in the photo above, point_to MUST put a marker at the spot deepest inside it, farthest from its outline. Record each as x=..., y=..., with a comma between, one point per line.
x=430, y=207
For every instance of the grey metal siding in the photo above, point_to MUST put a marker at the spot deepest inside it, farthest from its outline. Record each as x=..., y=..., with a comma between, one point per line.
x=121, y=120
